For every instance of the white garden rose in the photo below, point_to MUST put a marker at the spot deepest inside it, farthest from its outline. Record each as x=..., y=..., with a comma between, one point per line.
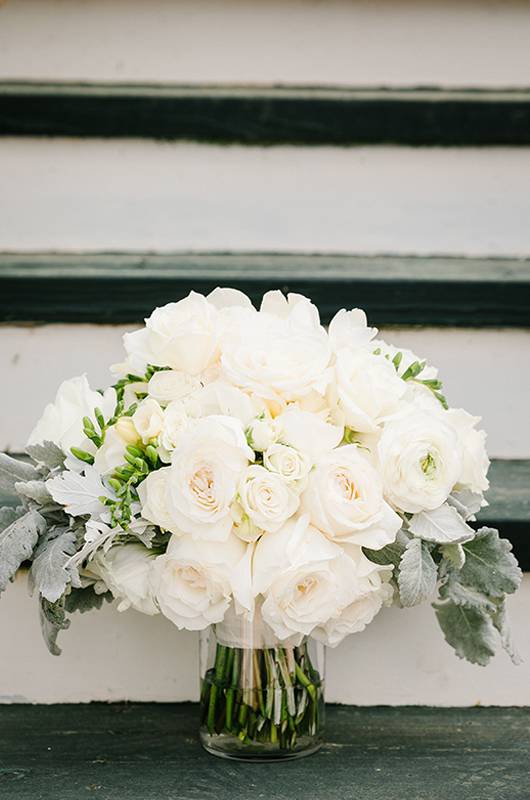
x=344, y=499
x=280, y=354
x=304, y=578
x=373, y=591
x=125, y=570
x=290, y=464
x=267, y=499
x=420, y=456
x=62, y=420
x=183, y=336
x=350, y=329
x=475, y=461
x=195, y=582
x=205, y=472
x=153, y=493
x=367, y=389
x=148, y=419
x=170, y=384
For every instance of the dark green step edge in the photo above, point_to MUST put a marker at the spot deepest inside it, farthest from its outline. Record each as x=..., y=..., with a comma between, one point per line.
x=269, y=114
x=394, y=290
x=508, y=509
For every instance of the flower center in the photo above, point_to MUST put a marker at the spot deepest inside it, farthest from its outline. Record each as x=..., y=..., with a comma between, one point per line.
x=305, y=586
x=428, y=465
x=202, y=485
x=347, y=486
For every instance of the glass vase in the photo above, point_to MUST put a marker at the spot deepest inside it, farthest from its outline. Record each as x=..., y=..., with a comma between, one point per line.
x=261, y=698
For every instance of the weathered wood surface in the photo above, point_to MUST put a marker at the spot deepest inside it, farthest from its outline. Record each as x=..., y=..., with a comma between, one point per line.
x=394, y=290
x=151, y=752
x=268, y=115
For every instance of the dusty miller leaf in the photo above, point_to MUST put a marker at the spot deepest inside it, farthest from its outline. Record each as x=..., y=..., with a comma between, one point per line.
x=48, y=454
x=455, y=554
x=391, y=553
x=12, y=470
x=49, y=572
x=17, y=541
x=83, y=600
x=444, y=525
x=34, y=490
x=468, y=630
x=52, y=620
x=467, y=503
x=500, y=620
x=417, y=574
x=465, y=596
x=490, y=566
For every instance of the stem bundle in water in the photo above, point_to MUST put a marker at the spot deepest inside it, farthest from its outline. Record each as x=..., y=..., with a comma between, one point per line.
x=270, y=697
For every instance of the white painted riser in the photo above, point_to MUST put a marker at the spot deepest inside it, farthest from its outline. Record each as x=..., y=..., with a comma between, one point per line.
x=63, y=194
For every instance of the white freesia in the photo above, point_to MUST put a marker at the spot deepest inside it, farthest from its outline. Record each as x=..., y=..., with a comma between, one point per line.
x=344, y=499
x=183, y=336
x=280, y=354
x=373, y=591
x=176, y=421
x=153, y=492
x=62, y=420
x=367, y=389
x=125, y=570
x=205, y=472
x=403, y=358
x=78, y=493
x=307, y=432
x=290, y=464
x=266, y=498
x=111, y=454
x=219, y=397
x=169, y=384
x=261, y=433
x=420, y=459
x=148, y=419
x=304, y=578
x=195, y=582
x=350, y=329
x=475, y=461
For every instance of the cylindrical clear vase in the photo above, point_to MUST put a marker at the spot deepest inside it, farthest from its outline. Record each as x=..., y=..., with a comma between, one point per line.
x=261, y=698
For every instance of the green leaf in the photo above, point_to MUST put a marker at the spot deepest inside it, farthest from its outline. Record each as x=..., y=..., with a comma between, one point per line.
x=48, y=454
x=17, y=541
x=417, y=574
x=52, y=620
x=390, y=554
x=444, y=525
x=500, y=620
x=50, y=574
x=468, y=630
x=455, y=554
x=465, y=596
x=490, y=565
x=13, y=470
x=87, y=599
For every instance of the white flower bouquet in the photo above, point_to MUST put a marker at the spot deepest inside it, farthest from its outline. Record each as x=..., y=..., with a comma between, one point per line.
x=252, y=471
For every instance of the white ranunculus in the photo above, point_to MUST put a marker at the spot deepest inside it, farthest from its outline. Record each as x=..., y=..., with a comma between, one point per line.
x=307, y=432
x=350, y=329
x=373, y=591
x=125, y=570
x=305, y=579
x=153, y=493
x=292, y=465
x=195, y=582
x=205, y=472
x=183, y=336
x=367, y=389
x=344, y=499
x=475, y=459
x=62, y=420
x=420, y=457
x=148, y=419
x=280, y=354
x=169, y=384
x=266, y=498
x=176, y=421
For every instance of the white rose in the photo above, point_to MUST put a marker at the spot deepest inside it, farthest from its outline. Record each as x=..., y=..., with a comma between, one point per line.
x=176, y=421
x=367, y=389
x=350, y=329
x=373, y=592
x=169, y=384
x=62, y=420
x=205, y=471
x=421, y=460
x=183, y=336
x=266, y=498
x=195, y=582
x=344, y=499
x=307, y=432
x=125, y=570
x=280, y=354
x=475, y=458
x=304, y=578
x=148, y=419
x=153, y=493
x=290, y=464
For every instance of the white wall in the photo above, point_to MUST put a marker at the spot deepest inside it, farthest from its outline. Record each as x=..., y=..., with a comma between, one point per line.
x=341, y=42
